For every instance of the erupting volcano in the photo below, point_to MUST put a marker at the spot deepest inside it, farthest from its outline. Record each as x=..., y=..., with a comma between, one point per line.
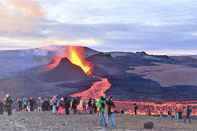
x=64, y=64
x=76, y=56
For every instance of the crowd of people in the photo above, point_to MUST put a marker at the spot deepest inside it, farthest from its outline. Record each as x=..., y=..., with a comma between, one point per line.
x=104, y=108
x=62, y=105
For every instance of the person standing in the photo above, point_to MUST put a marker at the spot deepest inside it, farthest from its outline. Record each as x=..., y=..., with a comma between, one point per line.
x=46, y=105
x=149, y=110
x=180, y=111
x=1, y=107
x=61, y=109
x=84, y=106
x=188, y=111
x=24, y=103
x=90, y=107
x=135, y=109
x=176, y=113
x=54, y=104
x=67, y=105
x=94, y=106
x=31, y=104
x=75, y=103
x=170, y=113
x=8, y=104
x=20, y=104
x=39, y=104
x=101, y=107
x=111, y=112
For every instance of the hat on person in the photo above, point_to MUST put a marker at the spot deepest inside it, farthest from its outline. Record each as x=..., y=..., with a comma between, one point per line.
x=7, y=95
x=62, y=99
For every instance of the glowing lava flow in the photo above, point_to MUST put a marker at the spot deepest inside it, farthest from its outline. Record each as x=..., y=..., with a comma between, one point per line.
x=97, y=90
x=155, y=108
x=76, y=56
x=54, y=62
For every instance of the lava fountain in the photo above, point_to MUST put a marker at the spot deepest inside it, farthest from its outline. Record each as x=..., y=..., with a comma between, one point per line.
x=76, y=55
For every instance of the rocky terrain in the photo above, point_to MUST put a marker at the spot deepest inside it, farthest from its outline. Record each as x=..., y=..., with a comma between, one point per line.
x=47, y=121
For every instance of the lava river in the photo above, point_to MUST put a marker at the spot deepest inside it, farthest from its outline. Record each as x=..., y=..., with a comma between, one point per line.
x=97, y=90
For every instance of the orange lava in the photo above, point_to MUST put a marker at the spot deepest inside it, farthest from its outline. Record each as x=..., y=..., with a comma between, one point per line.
x=54, y=62
x=155, y=108
x=76, y=56
x=97, y=90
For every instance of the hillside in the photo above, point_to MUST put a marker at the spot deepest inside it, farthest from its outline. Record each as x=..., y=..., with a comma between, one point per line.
x=132, y=75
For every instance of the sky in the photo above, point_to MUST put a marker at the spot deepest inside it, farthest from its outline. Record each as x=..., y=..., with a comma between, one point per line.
x=156, y=26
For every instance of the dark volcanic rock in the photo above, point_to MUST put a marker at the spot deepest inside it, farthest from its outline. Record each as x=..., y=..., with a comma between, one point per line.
x=149, y=125
x=131, y=86
x=105, y=65
x=65, y=71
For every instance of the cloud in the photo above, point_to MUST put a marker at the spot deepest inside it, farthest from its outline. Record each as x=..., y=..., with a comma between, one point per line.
x=19, y=42
x=19, y=15
x=127, y=25
x=194, y=34
x=28, y=7
x=176, y=52
x=128, y=11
